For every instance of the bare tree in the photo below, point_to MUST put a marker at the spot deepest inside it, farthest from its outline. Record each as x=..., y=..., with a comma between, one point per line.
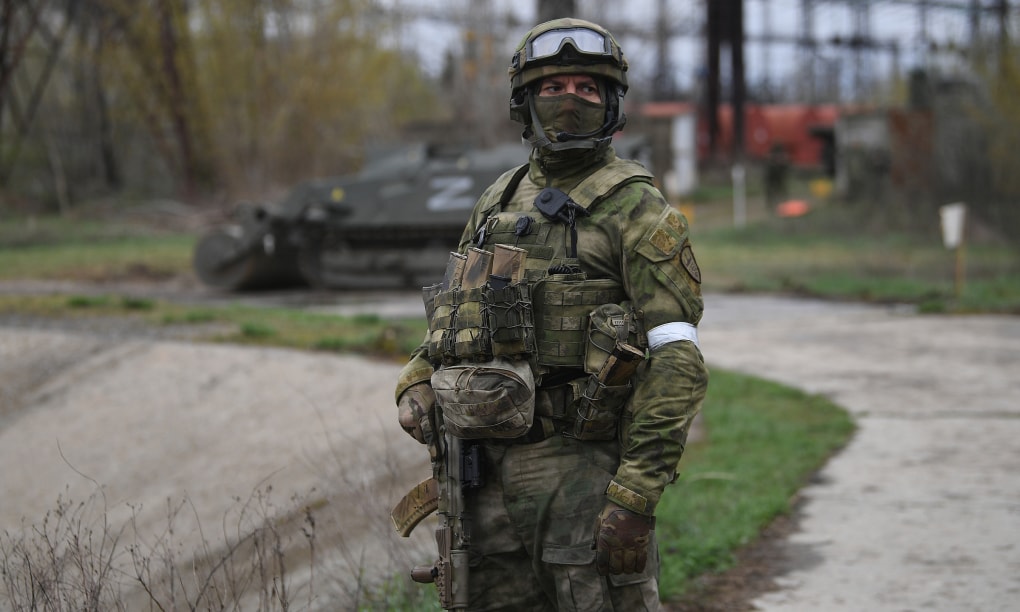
x=25, y=26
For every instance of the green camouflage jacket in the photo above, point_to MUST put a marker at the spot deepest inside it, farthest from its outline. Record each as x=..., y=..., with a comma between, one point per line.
x=635, y=237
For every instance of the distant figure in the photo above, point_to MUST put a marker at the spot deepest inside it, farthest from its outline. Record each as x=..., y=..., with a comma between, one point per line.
x=777, y=168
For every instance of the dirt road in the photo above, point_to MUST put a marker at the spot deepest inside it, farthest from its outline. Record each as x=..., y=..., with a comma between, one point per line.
x=920, y=511
x=136, y=425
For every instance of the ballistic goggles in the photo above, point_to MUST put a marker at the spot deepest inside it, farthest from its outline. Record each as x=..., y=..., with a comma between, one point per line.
x=584, y=40
x=544, y=52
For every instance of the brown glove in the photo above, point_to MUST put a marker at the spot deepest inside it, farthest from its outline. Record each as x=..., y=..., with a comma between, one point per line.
x=415, y=404
x=621, y=540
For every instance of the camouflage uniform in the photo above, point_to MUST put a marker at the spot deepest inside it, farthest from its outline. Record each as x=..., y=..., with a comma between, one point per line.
x=531, y=536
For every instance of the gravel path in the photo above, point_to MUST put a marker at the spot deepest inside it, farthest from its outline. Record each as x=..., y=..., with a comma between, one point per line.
x=920, y=512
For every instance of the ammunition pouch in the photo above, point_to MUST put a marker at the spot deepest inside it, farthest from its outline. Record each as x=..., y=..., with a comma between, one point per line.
x=480, y=323
x=495, y=399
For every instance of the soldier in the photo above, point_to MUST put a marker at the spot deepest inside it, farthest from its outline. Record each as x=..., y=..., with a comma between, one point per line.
x=565, y=517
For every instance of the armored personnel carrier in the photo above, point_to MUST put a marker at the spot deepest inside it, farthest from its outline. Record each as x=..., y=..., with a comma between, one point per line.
x=391, y=225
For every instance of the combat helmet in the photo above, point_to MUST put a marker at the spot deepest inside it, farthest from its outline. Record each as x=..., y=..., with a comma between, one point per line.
x=568, y=46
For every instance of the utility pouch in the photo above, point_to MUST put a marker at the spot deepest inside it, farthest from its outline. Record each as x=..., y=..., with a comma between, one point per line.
x=598, y=409
x=563, y=303
x=610, y=362
x=495, y=399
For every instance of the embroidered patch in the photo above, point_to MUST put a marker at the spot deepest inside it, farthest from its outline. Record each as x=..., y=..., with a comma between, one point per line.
x=662, y=240
x=690, y=264
x=628, y=498
x=673, y=220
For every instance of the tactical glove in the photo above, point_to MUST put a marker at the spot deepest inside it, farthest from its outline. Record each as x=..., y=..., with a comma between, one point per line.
x=415, y=404
x=621, y=540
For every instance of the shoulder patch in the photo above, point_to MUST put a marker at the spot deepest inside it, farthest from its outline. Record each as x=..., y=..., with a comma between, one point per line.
x=674, y=220
x=663, y=240
x=690, y=264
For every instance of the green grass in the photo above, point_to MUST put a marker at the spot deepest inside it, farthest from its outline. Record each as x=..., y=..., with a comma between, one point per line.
x=150, y=257
x=816, y=256
x=763, y=443
x=237, y=324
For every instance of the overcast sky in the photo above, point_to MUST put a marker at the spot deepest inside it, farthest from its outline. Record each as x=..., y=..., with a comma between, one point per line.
x=633, y=22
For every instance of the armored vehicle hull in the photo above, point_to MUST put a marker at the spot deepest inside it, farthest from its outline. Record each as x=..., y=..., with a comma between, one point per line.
x=391, y=225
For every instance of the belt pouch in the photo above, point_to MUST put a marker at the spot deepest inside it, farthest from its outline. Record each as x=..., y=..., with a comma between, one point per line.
x=495, y=399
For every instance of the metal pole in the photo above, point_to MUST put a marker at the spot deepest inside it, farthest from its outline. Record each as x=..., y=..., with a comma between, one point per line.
x=739, y=175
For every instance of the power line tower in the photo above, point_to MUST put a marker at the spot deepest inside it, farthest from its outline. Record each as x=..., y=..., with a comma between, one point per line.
x=554, y=9
x=809, y=51
x=860, y=44
x=725, y=19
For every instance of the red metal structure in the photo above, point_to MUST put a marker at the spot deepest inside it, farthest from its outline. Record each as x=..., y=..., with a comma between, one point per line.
x=794, y=126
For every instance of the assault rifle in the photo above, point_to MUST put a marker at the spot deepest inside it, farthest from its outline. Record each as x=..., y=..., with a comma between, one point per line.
x=453, y=537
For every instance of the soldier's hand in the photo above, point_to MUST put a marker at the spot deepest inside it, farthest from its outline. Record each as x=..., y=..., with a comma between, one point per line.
x=621, y=540
x=413, y=411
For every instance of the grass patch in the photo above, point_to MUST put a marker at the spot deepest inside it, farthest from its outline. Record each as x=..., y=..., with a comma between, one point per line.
x=365, y=334
x=763, y=442
x=122, y=257
x=87, y=301
x=817, y=256
x=134, y=303
x=257, y=330
x=189, y=317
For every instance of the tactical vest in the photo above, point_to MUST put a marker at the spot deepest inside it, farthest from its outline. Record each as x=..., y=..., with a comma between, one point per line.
x=544, y=317
x=576, y=338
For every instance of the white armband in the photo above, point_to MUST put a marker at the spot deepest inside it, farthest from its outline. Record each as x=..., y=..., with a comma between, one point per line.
x=671, y=332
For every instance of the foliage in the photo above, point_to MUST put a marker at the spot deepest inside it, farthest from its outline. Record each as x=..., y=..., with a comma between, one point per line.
x=189, y=98
x=1001, y=121
x=75, y=558
x=763, y=441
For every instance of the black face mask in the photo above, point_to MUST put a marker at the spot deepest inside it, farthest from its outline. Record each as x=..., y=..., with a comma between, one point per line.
x=569, y=113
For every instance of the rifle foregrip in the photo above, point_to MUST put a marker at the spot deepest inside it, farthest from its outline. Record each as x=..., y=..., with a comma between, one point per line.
x=425, y=574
